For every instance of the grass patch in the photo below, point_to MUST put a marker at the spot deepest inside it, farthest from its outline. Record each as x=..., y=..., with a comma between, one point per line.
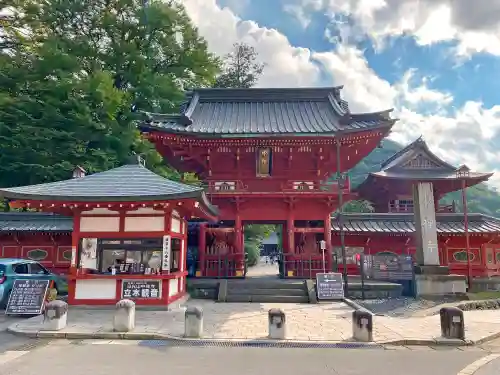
x=484, y=295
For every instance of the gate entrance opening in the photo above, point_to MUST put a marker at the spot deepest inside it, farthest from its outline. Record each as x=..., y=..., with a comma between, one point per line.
x=263, y=247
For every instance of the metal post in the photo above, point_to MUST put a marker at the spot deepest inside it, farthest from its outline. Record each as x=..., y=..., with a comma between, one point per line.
x=324, y=264
x=363, y=275
x=340, y=221
x=466, y=229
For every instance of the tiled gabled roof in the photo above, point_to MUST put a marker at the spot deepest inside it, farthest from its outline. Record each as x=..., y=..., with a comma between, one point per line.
x=298, y=111
x=125, y=183
x=448, y=223
x=34, y=222
x=415, y=162
x=128, y=183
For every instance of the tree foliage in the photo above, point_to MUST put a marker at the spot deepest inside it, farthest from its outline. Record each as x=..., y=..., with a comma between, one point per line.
x=72, y=71
x=240, y=68
x=360, y=205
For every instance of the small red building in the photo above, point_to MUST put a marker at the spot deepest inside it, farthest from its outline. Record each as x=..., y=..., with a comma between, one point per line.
x=129, y=233
x=391, y=229
x=267, y=156
x=39, y=236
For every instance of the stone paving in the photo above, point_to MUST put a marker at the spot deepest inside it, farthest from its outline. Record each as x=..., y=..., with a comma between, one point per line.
x=248, y=321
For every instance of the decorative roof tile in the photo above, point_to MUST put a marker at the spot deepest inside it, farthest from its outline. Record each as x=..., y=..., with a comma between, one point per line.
x=34, y=222
x=447, y=223
x=299, y=111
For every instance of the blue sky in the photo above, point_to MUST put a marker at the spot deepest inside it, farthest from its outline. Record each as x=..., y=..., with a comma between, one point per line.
x=436, y=62
x=467, y=79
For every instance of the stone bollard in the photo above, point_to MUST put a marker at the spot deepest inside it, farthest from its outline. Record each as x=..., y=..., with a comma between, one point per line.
x=124, y=319
x=193, y=322
x=362, y=325
x=452, y=323
x=55, y=316
x=277, y=324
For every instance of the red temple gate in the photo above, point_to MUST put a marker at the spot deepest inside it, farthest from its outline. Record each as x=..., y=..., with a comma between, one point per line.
x=268, y=155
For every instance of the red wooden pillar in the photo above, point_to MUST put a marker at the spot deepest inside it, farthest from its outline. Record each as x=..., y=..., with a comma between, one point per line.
x=328, y=240
x=202, y=248
x=288, y=265
x=290, y=225
x=73, y=268
x=240, y=248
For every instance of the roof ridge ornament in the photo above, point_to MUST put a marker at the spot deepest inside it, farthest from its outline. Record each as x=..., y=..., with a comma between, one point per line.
x=79, y=172
x=136, y=159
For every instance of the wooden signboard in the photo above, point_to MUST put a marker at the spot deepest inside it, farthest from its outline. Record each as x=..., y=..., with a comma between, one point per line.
x=27, y=297
x=330, y=286
x=166, y=253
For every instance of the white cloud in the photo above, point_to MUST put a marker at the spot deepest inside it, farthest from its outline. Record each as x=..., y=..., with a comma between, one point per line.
x=298, y=13
x=459, y=135
x=286, y=66
x=474, y=25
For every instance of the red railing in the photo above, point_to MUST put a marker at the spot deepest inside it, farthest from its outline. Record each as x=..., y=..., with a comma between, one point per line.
x=290, y=186
x=409, y=207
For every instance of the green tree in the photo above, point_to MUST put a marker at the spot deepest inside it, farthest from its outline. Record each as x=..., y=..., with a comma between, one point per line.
x=254, y=235
x=240, y=68
x=358, y=206
x=71, y=73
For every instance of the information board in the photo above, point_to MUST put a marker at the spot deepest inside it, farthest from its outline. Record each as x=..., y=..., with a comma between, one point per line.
x=27, y=297
x=390, y=267
x=330, y=286
x=133, y=289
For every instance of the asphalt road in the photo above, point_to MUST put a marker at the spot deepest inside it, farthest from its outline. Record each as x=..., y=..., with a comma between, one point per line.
x=129, y=358
x=8, y=341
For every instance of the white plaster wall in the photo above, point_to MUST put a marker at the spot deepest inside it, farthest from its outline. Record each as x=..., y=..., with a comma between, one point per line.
x=99, y=211
x=173, y=287
x=145, y=210
x=144, y=224
x=176, y=225
x=99, y=224
x=95, y=289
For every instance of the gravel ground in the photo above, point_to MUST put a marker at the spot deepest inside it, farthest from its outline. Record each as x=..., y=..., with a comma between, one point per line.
x=400, y=307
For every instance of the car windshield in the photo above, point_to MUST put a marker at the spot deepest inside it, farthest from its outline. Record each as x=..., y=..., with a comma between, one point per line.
x=2, y=268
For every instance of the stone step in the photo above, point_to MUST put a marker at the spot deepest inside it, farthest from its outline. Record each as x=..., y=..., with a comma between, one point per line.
x=267, y=292
x=260, y=284
x=267, y=298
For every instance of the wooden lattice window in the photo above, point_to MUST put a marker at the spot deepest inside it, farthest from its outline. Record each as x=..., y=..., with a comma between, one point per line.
x=303, y=186
x=225, y=186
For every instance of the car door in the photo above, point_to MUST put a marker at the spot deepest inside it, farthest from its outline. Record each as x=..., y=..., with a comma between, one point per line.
x=39, y=272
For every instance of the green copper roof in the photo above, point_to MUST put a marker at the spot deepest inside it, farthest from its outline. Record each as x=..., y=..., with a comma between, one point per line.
x=247, y=112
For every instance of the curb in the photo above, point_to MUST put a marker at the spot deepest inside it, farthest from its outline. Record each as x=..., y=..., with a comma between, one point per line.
x=142, y=336
x=355, y=305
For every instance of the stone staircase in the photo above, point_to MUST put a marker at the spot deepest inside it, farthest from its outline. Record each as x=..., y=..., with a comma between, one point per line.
x=265, y=291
